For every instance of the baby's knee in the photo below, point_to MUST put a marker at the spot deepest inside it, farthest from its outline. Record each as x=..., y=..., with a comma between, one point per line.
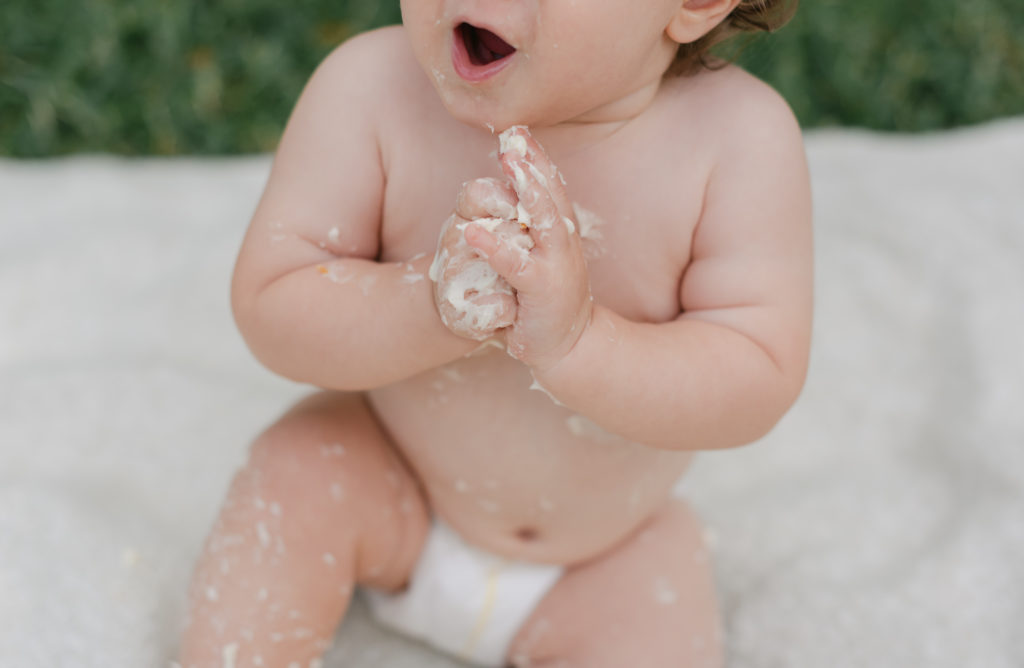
x=678, y=528
x=319, y=426
x=675, y=520
x=318, y=444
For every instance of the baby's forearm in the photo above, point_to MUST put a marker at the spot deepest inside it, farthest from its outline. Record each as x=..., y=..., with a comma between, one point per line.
x=684, y=385
x=349, y=324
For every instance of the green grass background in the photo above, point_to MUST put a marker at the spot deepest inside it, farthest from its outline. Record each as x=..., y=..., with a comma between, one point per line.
x=167, y=77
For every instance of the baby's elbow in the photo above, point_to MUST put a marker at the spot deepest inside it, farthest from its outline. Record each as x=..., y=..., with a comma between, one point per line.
x=793, y=376
x=756, y=408
x=775, y=397
x=246, y=316
x=244, y=302
x=250, y=319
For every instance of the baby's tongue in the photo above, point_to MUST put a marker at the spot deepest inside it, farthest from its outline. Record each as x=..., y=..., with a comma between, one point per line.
x=495, y=44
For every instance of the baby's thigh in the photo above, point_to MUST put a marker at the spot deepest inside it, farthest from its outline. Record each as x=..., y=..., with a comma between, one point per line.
x=649, y=601
x=333, y=481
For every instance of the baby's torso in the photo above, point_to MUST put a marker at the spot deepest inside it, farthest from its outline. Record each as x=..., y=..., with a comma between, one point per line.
x=501, y=462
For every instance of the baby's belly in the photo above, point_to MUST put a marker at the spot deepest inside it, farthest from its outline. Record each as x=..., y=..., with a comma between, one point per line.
x=516, y=474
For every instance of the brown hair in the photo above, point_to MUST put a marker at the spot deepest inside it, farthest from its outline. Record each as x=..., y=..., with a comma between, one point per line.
x=750, y=16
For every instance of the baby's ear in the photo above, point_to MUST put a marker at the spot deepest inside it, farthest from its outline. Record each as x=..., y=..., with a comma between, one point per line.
x=697, y=18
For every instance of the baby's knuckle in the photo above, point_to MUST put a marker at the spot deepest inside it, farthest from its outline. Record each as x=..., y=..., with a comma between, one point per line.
x=478, y=189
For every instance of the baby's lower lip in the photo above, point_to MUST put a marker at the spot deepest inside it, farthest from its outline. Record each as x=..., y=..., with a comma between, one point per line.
x=467, y=69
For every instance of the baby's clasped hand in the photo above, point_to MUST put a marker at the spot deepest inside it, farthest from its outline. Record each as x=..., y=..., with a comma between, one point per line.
x=549, y=276
x=472, y=299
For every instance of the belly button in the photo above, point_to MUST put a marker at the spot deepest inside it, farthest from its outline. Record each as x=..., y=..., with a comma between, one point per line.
x=527, y=534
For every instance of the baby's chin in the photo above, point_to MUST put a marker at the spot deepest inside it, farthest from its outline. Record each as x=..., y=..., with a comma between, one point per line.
x=498, y=111
x=491, y=122
x=496, y=121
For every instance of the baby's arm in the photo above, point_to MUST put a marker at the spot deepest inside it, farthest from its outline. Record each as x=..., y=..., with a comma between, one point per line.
x=725, y=371
x=308, y=295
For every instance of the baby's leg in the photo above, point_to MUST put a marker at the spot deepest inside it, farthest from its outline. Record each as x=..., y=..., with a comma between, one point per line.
x=648, y=602
x=323, y=503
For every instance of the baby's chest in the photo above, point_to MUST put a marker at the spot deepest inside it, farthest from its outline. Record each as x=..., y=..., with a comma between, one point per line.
x=636, y=231
x=633, y=271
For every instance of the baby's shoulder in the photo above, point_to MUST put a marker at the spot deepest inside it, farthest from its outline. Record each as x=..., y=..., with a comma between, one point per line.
x=377, y=69
x=733, y=107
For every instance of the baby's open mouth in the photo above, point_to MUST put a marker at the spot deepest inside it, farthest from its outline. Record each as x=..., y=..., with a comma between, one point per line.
x=482, y=46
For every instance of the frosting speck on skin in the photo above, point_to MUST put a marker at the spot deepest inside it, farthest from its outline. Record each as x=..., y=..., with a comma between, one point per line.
x=512, y=142
x=664, y=592
x=229, y=654
x=540, y=388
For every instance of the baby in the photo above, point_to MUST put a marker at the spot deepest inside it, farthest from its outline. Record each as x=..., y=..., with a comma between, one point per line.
x=521, y=342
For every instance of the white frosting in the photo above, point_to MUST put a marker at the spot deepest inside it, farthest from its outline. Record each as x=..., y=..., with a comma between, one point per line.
x=477, y=279
x=521, y=184
x=437, y=266
x=523, y=216
x=512, y=142
x=541, y=179
x=664, y=592
x=589, y=224
x=588, y=221
x=500, y=208
x=489, y=224
x=482, y=348
x=583, y=427
x=540, y=388
x=229, y=654
x=522, y=243
x=339, y=272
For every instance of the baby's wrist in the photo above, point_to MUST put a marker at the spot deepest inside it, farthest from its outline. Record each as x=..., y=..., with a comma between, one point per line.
x=563, y=357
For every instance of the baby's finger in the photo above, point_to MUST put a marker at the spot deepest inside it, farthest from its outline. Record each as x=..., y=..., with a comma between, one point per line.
x=512, y=261
x=486, y=198
x=537, y=209
x=518, y=142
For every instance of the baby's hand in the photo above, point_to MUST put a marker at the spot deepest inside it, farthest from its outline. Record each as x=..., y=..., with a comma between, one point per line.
x=472, y=299
x=551, y=280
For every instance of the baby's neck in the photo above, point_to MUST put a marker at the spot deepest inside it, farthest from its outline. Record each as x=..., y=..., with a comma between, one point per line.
x=597, y=124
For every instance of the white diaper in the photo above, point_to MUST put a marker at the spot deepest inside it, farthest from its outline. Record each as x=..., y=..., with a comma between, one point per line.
x=463, y=600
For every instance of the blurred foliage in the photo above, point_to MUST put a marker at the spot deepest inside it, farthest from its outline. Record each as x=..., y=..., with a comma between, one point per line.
x=162, y=76
x=185, y=76
x=907, y=66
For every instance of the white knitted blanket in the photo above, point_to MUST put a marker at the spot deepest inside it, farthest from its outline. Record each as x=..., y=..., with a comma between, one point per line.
x=881, y=524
